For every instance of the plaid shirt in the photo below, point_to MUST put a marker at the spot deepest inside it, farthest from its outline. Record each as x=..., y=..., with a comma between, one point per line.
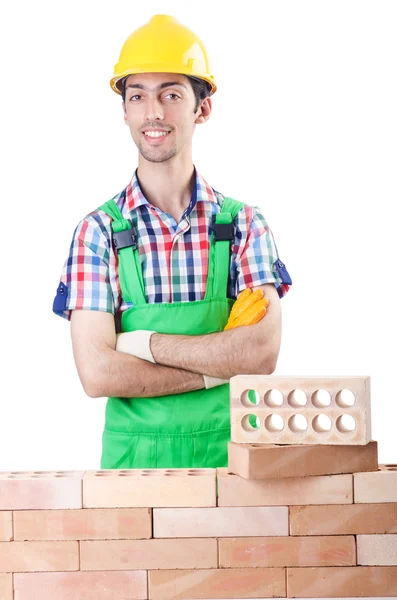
x=174, y=256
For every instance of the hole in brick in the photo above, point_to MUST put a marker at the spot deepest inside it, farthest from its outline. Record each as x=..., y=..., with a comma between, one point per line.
x=345, y=398
x=297, y=398
x=64, y=473
x=345, y=424
x=274, y=398
x=321, y=398
x=391, y=469
x=250, y=423
x=250, y=398
x=321, y=423
x=41, y=472
x=297, y=423
x=102, y=474
x=274, y=423
x=198, y=471
x=151, y=472
x=390, y=466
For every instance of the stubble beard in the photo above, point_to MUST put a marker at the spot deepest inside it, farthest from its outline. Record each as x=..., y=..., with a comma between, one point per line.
x=155, y=157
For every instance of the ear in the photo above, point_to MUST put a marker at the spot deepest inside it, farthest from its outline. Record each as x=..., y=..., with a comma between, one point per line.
x=204, y=111
x=125, y=114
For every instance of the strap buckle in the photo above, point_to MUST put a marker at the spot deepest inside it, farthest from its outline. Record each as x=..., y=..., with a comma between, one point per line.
x=124, y=239
x=222, y=231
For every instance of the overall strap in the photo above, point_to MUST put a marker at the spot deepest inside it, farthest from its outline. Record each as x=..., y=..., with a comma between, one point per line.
x=126, y=244
x=219, y=256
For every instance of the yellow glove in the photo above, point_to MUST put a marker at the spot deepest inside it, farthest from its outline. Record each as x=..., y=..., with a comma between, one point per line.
x=249, y=308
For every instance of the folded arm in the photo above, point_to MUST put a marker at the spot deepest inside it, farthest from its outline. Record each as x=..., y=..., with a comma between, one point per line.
x=251, y=349
x=105, y=372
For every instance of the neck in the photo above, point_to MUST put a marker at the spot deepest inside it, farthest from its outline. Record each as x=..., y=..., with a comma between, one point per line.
x=167, y=185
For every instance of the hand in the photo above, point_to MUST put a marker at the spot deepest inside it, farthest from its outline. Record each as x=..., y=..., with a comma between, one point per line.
x=136, y=343
x=249, y=308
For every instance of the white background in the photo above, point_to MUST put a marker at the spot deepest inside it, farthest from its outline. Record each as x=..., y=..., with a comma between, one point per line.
x=304, y=125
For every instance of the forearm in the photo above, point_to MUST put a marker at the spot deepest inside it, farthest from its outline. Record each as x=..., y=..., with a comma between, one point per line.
x=125, y=376
x=222, y=354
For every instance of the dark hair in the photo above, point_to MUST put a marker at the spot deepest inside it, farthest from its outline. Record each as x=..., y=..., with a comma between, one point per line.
x=201, y=89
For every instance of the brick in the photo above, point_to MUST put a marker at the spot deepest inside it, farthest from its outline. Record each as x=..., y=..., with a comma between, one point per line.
x=219, y=522
x=120, y=585
x=149, y=488
x=380, y=486
x=334, y=582
x=83, y=524
x=39, y=556
x=149, y=554
x=216, y=583
x=6, y=591
x=291, y=412
x=287, y=551
x=267, y=461
x=328, y=489
x=6, y=529
x=343, y=519
x=377, y=550
x=41, y=490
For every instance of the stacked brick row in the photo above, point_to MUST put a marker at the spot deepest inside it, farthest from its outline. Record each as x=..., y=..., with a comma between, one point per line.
x=190, y=534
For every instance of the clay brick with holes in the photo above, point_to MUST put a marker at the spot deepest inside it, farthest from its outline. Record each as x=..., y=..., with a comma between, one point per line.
x=114, y=555
x=216, y=583
x=380, y=486
x=316, y=551
x=345, y=519
x=324, y=489
x=39, y=556
x=41, y=489
x=87, y=524
x=6, y=591
x=377, y=549
x=336, y=582
x=149, y=487
x=96, y=585
x=267, y=461
x=300, y=410
x=220, y=522
x=6, y=529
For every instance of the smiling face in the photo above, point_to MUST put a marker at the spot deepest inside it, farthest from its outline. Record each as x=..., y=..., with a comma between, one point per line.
x=159, y=111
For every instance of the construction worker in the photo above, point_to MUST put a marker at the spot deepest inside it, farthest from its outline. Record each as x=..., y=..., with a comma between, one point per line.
x=153, y=273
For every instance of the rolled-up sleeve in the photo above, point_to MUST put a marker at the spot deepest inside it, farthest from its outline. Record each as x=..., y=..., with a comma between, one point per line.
x=85, y=281
x=257, y=259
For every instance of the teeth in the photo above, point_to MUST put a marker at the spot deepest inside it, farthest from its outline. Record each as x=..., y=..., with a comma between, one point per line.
x=155, y=134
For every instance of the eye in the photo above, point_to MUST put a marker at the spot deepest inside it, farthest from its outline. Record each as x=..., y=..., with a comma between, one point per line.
x=136, y=96
x=171, y=94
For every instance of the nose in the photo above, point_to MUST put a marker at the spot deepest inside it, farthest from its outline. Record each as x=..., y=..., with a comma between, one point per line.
x=154, y=109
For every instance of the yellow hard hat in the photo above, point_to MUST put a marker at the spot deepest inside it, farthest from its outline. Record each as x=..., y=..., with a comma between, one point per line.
x=163, y=45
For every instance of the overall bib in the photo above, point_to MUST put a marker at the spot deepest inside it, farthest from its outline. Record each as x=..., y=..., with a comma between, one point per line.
x=187, y=430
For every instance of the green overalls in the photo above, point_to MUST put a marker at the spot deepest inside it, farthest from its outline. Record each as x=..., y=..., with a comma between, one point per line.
x=187, y=430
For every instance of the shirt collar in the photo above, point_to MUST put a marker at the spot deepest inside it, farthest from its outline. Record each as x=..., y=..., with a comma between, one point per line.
x=202, y=192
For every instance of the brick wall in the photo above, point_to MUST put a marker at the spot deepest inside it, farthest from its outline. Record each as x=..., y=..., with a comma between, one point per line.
x=197, y=533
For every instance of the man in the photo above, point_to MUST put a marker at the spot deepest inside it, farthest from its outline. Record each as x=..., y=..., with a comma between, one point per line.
x=153, y=273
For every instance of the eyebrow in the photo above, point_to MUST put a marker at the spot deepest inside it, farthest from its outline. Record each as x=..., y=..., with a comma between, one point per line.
x=139, y=86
